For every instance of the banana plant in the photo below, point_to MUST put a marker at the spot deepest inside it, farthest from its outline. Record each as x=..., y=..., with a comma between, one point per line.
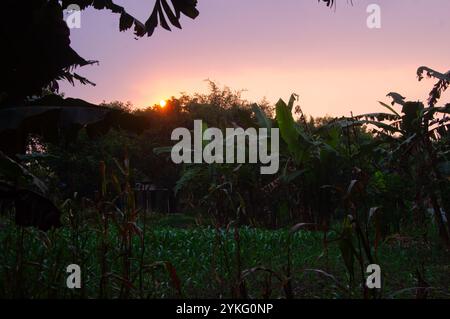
x=412, y=143
x=26, y=195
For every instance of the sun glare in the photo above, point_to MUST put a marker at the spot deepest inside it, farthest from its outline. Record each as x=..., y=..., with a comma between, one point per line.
x=162, y=103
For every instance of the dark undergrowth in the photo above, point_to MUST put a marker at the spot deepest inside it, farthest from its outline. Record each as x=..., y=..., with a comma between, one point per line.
x=203, y=262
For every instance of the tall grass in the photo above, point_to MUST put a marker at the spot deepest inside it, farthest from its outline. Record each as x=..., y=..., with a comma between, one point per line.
x=206, y=262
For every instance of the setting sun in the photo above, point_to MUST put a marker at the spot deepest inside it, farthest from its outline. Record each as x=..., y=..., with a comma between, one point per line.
x=320, y=171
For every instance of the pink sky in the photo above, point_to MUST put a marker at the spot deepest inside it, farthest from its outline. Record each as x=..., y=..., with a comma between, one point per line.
x=271, y=48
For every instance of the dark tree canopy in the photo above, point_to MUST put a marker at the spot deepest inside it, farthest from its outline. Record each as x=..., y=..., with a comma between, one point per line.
x=36, y=41
x=36, y=49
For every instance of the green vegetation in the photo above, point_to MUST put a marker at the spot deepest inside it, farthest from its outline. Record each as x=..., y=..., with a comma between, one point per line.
x=204, y=265
x=350, y=192
x=371, y=189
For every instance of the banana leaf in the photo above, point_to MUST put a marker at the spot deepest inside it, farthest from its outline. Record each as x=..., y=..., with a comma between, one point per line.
x=55, y=119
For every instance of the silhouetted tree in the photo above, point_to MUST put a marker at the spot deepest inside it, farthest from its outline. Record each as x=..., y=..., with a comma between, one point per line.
x=36, y=41
x=35, y=54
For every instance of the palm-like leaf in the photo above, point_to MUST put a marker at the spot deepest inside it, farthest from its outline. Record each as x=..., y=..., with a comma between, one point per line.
x=164, y=13
x=54, y=119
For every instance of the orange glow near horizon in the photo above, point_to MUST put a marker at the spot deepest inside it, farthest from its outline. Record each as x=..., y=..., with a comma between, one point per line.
x=330, y=58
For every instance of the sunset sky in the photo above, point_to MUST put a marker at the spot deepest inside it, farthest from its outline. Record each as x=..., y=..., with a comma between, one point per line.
x=271, y=48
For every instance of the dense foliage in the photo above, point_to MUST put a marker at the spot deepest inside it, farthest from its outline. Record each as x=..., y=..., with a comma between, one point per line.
x=353, y=186
x=350, y=192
